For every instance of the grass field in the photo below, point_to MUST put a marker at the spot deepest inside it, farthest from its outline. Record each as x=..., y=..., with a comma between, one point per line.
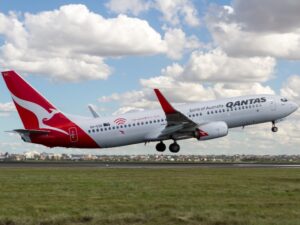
x=149, y=196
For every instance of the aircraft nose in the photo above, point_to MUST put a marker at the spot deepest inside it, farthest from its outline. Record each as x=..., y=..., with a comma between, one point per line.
x=294, y=106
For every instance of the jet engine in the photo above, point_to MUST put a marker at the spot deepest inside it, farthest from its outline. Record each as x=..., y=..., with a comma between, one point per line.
x=211, y=130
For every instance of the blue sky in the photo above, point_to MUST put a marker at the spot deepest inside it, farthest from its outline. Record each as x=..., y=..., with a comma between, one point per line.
x=112, y=53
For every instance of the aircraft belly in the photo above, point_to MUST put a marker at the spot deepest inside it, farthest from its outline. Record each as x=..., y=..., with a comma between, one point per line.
x=248, y=119
x=117, y=138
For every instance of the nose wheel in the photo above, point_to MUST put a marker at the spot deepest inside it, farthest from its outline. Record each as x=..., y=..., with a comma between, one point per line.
x=174, y=147
x=274, y=128
x=161, y=147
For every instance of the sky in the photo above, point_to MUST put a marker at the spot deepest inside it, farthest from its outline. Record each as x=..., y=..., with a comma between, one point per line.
x=113, y=53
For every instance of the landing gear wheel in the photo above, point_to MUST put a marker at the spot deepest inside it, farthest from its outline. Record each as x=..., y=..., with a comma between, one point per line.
x=174, y=148
x=161, y=147
x=274, y=128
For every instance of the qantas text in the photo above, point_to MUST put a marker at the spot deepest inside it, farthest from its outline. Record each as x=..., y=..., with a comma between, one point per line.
x=246, y=102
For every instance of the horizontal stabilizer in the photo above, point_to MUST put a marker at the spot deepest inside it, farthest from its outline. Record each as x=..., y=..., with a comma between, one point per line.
x=27, y=132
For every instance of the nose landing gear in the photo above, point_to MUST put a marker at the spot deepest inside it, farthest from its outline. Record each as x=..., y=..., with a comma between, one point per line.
x=274, y=128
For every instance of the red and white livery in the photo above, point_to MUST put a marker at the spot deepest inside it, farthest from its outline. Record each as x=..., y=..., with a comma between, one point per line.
x=46, y=125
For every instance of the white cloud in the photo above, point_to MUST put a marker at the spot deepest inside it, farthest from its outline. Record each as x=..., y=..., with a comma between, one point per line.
x=239, y=89
x=177, y=42
x=291, y=88
x=134, y=95
x=7, y=108
x=216, y=65
x=128, y=6
x=237, y=31
x=70, y=43
x=127, y=109
x=206, y=76
x=174, y=12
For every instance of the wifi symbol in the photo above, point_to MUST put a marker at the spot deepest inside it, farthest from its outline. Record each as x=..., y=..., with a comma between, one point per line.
x=120, y=121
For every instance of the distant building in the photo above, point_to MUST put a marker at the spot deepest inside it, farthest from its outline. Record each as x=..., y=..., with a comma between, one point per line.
x=32, y=155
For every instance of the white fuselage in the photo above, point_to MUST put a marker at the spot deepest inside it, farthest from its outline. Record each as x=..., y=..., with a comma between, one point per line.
x=138, y=127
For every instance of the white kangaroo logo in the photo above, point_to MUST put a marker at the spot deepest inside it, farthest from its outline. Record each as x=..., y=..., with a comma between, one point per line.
x=39, y=112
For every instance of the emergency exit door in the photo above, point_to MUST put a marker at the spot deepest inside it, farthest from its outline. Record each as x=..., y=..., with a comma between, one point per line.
x=272, y=104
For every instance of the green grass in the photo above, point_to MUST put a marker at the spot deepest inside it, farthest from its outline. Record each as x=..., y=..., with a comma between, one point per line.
x=149, y=196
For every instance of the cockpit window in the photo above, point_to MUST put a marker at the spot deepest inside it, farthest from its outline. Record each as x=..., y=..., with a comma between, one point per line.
x=284, y=100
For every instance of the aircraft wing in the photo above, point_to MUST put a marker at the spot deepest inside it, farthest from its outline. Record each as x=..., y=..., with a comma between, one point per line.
x=178, y=125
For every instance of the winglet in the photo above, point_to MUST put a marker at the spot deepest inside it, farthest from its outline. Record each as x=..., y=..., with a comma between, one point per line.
x=167, y=107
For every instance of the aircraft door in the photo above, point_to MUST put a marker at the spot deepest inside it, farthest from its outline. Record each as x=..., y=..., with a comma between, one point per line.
x=272, y=104
x=73, y=134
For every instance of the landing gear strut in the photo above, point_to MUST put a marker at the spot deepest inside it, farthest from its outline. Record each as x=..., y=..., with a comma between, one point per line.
x=174, y=147
x=274, y=128
x=160, y=147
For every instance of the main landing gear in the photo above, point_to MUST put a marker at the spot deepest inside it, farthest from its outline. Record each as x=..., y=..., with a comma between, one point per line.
x=274, y=128
x=161, y=147
x=174, y=147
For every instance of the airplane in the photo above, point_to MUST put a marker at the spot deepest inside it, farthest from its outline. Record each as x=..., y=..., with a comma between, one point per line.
x=46, y=125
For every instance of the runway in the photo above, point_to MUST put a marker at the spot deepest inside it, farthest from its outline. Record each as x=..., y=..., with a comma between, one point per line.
x=136, y=165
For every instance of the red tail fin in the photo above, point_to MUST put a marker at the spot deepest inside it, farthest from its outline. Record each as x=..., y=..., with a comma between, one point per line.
x=31, y=105
x=40, y=117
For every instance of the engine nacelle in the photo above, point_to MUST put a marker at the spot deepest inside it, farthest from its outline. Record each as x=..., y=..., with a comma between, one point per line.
x=211, y=130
